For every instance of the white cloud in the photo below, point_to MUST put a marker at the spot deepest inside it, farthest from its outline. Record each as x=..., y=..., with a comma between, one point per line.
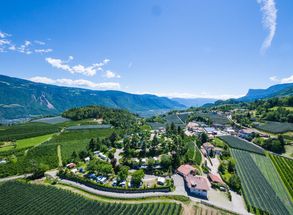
x=27, y=47
x=80, y=69
x=40, y=42
x=4, y=35
x=191, y=95
x=269, y=20
x=110, y=74
x=76, y=83
x=43, y=51
x=282, y=80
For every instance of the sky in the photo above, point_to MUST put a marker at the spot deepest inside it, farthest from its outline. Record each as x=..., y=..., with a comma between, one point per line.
x=174, y=48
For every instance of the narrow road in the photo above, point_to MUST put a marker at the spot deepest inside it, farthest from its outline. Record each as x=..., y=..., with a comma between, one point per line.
x=59, y=155
x=15, y=177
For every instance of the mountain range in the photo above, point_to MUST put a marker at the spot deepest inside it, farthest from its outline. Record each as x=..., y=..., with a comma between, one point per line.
x=21, y=98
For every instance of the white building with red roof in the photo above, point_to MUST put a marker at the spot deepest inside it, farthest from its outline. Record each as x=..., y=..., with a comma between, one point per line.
x=198, y=185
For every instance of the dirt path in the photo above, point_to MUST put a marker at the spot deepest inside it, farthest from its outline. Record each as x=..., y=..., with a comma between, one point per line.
x=187, y=208
x=59, y=155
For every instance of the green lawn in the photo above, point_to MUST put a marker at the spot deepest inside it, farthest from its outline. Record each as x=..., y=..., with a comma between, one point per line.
x=287, y=108
x=29, y=142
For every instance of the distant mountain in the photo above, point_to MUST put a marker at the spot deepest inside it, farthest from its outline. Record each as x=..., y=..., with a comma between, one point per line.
x=21, y=98
x=276, y=90
x=195, y=102
x=254, y=94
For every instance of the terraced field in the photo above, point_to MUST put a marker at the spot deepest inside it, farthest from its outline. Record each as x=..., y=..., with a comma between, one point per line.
x=27, y=199
x=262, y=190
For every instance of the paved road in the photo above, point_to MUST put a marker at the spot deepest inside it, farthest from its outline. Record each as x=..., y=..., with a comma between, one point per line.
x=113, y=194
x=14, y=177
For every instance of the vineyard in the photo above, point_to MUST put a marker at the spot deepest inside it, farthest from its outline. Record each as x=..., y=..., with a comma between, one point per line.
x=275, y=127
x=284, y=167
x=266, y=167
x=235, y=142
x=26, y=130
x=19, y=198
x=258, y=192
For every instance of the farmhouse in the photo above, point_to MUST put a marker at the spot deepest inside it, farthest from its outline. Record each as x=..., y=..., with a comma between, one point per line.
x=215, y=179
x=197, y=185
x=210, y=130
x=185, y=170
x=246, y=133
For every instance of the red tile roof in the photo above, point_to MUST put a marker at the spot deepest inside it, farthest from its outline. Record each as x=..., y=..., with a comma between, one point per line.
x=185, y=169
x=197, y=182
x=215, y=178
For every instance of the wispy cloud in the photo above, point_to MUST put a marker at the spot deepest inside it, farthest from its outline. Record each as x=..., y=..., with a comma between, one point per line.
x=80, y=69
x=191, y=95
x=282, y=80
x=269, y=20
x=43, y=51
x=76, y=83
x=27, y=47
x=110, y=74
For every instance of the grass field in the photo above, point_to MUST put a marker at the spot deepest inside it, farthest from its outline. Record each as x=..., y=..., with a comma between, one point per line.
x=237, y=143
x=40, y=199
x=260, y=192
x=28, y=142
x=287, y=108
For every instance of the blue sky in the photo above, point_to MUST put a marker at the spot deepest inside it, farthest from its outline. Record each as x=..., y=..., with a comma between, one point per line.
x=187, y=48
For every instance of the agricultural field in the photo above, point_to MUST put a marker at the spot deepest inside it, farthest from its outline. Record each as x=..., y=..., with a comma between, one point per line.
x=173, y=118
x=19, y=198
x=237, y=143
x=285, y=168
x=26, y=130
x=275, y=127
x=259, y=193
x=78, y=127
x=183, y=116
x=266, y=167
x=27, y=143
x=23, y=161
x=52, y=120
x=77, y=140
x=215, y=118
x=193, y=154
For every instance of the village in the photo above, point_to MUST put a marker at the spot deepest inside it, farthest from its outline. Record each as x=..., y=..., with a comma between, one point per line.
x=142, y=173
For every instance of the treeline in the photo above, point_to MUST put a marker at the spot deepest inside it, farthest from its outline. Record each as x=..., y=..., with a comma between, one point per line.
x=274, y=109
x=116, y=117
